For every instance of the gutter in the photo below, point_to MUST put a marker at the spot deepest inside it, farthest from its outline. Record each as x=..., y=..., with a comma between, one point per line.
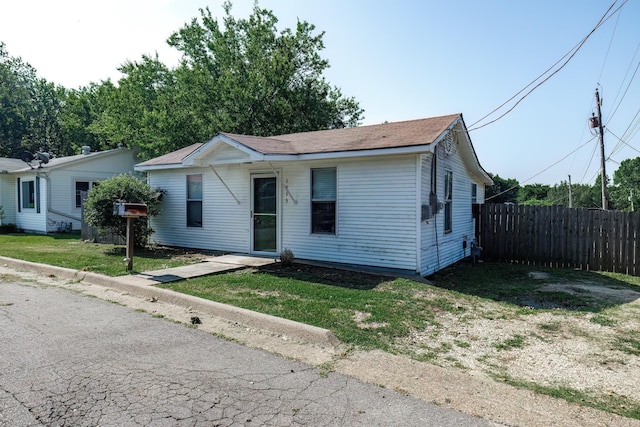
x=53, y=211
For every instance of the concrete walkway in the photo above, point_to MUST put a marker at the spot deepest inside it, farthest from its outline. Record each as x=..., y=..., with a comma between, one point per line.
x=208, y=266
x=143, y=285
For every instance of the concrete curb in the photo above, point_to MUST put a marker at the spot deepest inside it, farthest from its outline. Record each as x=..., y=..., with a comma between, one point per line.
x=273, y=324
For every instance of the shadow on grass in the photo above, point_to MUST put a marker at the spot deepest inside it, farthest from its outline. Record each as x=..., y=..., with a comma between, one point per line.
x=539, y=287
x=326, y=275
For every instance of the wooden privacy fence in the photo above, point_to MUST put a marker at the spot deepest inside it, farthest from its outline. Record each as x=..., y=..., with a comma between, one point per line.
x=90, y=233
x=556, y=236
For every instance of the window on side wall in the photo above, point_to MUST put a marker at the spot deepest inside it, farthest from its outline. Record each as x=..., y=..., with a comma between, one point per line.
x=448, y=201
x=28, y=194
x=194, y=200
x=82, y=187
x=323, y=201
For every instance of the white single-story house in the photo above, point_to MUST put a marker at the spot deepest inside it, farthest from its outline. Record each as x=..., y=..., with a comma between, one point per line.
x=395, y=195
x=45, y=196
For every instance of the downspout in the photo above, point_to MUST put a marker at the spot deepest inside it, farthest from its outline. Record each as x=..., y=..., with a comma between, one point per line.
x=419, y=214
x=49, y=209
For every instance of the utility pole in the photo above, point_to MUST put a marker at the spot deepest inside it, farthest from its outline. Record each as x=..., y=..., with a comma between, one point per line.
x=603, y=173
x=570, y=195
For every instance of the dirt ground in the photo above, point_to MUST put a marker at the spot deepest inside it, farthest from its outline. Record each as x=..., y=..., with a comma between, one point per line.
x=460, y=379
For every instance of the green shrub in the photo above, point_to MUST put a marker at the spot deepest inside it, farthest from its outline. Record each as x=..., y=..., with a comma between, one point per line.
x=122, y=188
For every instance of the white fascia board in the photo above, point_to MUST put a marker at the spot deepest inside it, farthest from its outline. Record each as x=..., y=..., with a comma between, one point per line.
x=157, y=167
x=417, y=149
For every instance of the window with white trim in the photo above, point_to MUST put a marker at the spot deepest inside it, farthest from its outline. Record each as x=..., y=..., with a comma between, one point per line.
x=194, y=200
x=448, y=201
x=323, y=201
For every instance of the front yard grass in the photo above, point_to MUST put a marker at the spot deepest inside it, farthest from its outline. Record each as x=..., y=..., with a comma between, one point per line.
x=67, y=250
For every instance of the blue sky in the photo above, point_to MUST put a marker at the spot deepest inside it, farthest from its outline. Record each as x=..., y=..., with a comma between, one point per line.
x=402, y=60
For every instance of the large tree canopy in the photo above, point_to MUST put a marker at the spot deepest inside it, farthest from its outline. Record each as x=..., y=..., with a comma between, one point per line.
x=238, y=75
x=235, y=75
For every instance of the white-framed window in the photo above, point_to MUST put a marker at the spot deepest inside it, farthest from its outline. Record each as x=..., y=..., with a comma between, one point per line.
x=194, y=200
x=448, y=201
x=323, y=200
x=474, y=193
x=28, y=194
x=82, y=187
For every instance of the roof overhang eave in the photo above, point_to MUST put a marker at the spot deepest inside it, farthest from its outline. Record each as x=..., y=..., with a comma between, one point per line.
x=257, y=157
x=145, y=168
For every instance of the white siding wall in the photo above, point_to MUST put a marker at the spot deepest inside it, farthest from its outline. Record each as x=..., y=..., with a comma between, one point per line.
x=8, y=198
x=61, y=183
x=58, y=208
x=226, y=224
x=376, y=213
x=439, y=249
x=29, y=219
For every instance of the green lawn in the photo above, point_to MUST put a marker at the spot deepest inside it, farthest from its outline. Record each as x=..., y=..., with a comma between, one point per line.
x=67, y=250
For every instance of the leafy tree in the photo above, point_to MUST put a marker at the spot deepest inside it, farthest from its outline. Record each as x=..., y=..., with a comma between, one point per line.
x=270, y=83
x=582, y=195
x=503, y=190
x=122, y=188
x=533, y=194
x=135, y=112
x=80, y=116
x=626, y=189
x=238, y=75
x=30, y=110
x=16, y=86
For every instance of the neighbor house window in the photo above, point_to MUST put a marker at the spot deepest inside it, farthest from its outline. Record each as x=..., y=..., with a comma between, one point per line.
x=448, y=201
x=474, y=193
x=28, y=194
x=323, y=201
x=194, y=200
x=83, y=187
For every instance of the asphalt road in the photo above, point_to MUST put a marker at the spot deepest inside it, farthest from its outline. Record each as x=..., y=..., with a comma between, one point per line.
x=70, y=360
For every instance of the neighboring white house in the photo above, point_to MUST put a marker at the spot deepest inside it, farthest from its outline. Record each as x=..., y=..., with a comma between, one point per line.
x=46, y=197
x=395, y=195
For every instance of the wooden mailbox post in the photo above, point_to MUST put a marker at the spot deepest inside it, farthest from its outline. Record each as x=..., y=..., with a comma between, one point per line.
x=130, y=211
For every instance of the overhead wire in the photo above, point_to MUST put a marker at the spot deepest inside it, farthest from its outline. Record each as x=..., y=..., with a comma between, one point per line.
x=628, y=85
x=570, y=54
x=541, y=172
x=623, y=141
x=606, y=56
x=593, y=154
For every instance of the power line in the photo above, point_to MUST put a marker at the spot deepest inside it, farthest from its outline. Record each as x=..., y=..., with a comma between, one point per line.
x=606, y=56
x=628, y=85
x=622, y=141
x=541, y=172
x=571, y=53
